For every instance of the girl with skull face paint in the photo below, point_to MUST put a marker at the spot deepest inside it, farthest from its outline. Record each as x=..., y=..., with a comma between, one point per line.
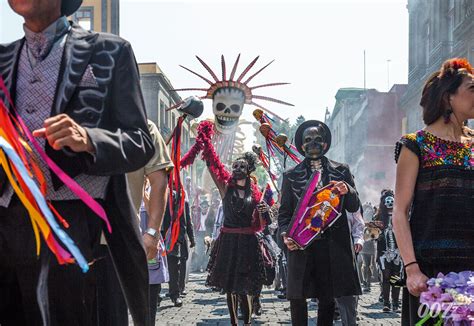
x=388, y=255
x=326, y=269
x=236, y=263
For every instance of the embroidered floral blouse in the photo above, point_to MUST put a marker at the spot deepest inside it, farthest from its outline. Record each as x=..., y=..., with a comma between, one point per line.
x=442, y=212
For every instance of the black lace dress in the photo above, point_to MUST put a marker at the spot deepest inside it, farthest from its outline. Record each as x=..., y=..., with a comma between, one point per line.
x=236, y=264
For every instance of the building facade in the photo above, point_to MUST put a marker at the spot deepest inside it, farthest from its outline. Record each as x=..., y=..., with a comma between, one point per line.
x=365, y=125
x=99, y=15
x=158, y=98
x=439, y=29
x=104, y=16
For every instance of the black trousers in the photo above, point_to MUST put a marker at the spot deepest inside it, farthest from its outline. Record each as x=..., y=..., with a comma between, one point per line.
x=299, y=312
x=177, y=270
x=390, y=270
x=68, y=295
x=155, y=299
x=111, y=305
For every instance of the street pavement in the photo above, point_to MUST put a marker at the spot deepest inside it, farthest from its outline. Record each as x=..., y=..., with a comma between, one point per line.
x=204, y=307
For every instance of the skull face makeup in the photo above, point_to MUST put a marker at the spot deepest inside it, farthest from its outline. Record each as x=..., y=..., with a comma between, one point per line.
x=240, y=169
x=227, y=107
x=313, y=139
x=389, y=201
x=314, y=144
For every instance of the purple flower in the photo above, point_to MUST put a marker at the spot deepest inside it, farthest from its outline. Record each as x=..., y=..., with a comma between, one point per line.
x=446, y=297
x=432, y=295
x=460, y=313
x=450, y=281
x=455, y=293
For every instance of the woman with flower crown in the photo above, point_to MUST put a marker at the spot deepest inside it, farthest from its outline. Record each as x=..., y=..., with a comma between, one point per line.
x=433, y=215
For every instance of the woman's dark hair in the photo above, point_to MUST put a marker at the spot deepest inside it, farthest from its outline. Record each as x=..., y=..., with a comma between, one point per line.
x=382, y=212
x=438, y=87
x=251, y=159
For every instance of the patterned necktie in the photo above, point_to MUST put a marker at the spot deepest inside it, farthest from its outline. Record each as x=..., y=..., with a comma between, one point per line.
x=38, y=46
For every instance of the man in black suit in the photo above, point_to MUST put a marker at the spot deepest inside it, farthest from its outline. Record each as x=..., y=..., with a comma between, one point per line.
x=178, y=257
x=79, y=93
x=327, y=268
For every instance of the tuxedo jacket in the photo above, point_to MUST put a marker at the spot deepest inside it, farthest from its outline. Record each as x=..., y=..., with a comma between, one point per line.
x=98, y=87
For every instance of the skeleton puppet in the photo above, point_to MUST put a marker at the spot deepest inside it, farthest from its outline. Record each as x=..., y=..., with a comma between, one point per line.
x=229, y=95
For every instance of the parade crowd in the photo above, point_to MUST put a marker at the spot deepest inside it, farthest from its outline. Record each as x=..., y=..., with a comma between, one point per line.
x=310, y=238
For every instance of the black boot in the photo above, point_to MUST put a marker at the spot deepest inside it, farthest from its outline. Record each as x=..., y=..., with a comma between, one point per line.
x=257, y=306
x=177, y=302
x=396, y=307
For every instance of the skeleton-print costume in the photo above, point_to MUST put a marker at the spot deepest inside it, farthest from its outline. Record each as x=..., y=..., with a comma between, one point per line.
x=388, y=254
x=98, y=86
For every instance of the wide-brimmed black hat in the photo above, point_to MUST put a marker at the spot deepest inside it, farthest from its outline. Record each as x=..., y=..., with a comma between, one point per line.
x=308, y=124
x=68, y=7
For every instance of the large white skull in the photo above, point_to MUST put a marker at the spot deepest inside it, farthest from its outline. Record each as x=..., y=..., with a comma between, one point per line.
x=227, y=106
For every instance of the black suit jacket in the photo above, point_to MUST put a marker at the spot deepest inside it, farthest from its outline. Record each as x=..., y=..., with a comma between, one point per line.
x=345, y=280
x=186, y=228
x=112, y=111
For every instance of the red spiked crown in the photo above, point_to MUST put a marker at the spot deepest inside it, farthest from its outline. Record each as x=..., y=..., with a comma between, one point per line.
x=231, y=82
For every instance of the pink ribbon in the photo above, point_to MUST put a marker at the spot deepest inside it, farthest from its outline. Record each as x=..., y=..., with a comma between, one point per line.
x=67, y=180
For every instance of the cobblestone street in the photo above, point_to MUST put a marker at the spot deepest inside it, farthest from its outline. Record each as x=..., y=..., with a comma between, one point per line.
x=204, y=307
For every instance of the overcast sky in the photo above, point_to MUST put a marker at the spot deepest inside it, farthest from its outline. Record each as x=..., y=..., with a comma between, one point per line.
x=317, y=45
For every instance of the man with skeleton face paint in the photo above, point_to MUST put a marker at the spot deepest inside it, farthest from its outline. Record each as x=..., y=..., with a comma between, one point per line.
x=388, y=255
x=326, y=269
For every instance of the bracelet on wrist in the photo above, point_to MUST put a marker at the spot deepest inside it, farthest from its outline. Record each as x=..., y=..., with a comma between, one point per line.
x=412, y=263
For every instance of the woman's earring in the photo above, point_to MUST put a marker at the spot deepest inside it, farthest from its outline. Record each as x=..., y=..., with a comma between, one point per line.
x=447, y=115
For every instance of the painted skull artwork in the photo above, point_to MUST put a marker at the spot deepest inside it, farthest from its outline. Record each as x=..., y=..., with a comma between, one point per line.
x=227, y=107
x=230, y=93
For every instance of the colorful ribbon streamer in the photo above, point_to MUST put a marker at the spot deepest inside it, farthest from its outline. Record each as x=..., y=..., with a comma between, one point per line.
x=63, y=256
x=177, y=194
x=274, y=141
x=22, y=173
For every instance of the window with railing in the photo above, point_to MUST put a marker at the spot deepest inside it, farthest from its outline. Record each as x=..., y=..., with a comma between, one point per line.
x=162, y=112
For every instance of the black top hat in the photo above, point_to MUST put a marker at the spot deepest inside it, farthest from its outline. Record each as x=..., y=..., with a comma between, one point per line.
x=68, y=7
x=308, y=124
